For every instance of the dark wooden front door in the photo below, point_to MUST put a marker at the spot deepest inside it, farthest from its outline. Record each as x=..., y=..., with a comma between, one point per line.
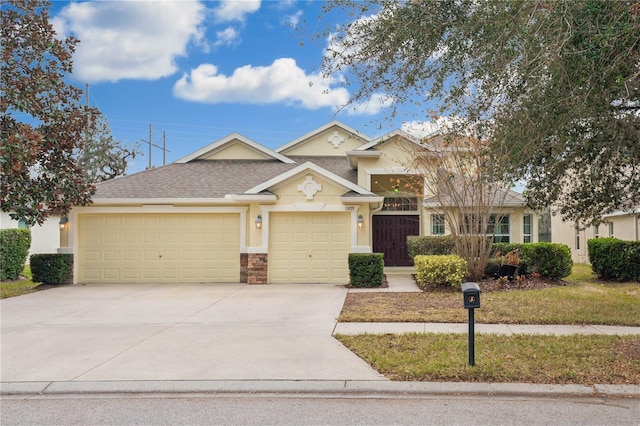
x=390, y=237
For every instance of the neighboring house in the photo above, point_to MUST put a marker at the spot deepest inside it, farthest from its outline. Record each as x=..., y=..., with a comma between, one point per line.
x=45, y=238
x=622, y=225
x=236, y=211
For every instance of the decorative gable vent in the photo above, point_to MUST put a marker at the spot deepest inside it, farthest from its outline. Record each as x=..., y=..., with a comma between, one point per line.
x=335, y=139
x=309, y=187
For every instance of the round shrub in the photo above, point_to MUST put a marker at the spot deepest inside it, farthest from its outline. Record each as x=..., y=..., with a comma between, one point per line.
x=440, y=270
x=550, y=260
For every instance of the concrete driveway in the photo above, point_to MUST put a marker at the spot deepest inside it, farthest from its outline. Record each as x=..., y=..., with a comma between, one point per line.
x=176, y=332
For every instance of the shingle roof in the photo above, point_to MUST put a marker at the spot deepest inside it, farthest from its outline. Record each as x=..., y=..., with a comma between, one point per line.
x=210, y=178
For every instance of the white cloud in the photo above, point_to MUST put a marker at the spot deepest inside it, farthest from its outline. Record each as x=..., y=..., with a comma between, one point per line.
x=294, y=19
x=425, y=129
x=234, y=10
x=130, y=39
x=227, y=37
x=281, y=82
x=374, y=105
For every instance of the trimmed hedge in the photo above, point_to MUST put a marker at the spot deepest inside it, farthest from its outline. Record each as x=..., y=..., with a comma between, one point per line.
x=366, y=269
x=439, y=270
x=430, y=245
x=550, y=260
x=14, y=249
x=614, y=259
x=54, y=268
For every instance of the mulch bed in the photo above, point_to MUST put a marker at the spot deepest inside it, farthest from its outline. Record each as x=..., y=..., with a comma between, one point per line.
x=490, y=284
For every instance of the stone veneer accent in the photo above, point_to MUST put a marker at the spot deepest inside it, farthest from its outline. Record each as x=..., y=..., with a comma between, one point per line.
x=244, y=267
x=256, y=268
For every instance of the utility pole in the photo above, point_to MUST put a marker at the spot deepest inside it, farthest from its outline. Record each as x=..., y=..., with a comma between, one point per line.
x=151, y=144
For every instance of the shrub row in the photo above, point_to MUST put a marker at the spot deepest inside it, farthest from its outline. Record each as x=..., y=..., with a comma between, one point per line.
x=56, y=268
x=614, y=259
x=14, y=249
x=366, y=269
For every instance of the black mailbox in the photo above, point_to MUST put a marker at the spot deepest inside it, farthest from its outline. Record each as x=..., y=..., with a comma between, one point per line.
x=471, y=295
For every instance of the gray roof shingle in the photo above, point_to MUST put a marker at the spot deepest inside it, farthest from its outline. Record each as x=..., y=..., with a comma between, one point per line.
x=210, y=178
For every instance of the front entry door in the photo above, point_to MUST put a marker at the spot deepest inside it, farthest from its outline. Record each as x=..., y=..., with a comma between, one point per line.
x=390, y=237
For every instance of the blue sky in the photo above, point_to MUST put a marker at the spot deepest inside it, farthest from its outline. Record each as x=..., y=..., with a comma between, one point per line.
x=200, y=70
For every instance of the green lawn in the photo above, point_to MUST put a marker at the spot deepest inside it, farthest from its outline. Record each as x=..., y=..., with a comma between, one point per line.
x=582, y=300
x=579, y=359
x=20, y=287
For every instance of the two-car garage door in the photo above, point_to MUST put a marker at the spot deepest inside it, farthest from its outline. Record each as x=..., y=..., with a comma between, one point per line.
x=159, y=248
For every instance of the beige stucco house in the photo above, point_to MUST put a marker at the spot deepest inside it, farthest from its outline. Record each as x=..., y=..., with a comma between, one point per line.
x=624, y=225
x=45, y=238
x=236, y=211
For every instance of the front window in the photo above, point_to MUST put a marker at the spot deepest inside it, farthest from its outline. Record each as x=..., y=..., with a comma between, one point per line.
x=437, y=224
x=400, y=204
x=22, y=224
x=498, y=227
x=610, y=229
x=577, y=237
x=526, y=228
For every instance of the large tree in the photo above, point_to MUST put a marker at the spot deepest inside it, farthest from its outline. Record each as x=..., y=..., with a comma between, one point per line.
x=43, y=120
x=558, y=82
x=102, y=157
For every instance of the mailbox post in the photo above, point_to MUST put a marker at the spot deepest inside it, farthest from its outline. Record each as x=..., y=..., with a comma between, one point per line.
x=471, y=300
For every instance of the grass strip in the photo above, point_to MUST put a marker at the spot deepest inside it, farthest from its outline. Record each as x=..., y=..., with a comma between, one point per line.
x=580, y=303
x=577, y=359
x=18, y=287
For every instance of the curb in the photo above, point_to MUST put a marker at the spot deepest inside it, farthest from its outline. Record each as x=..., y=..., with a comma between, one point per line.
x=319, y=387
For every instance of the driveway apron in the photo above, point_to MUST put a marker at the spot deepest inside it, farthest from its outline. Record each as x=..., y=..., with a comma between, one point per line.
x=177, y=332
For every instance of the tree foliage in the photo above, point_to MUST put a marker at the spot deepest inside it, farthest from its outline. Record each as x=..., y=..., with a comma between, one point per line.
x=102, y=157
x=43, y=121
x=556, y=81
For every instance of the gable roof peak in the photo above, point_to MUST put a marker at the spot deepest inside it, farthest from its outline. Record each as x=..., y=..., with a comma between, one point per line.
x=333, y=123
x=231, y=139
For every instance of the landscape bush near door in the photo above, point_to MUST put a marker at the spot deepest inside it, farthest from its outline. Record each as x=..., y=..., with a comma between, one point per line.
x=14, y=249
x=440, y=270
x=430, y=245
x=614, y=259
x=366, y=269
x=52, y=268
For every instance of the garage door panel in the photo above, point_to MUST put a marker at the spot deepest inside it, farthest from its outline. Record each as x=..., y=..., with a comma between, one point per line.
x=159, y=248
x=309, y=247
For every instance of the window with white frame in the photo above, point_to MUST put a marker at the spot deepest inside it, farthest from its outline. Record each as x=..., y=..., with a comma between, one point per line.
x=400, y=204
x=22, y=224
x=577, y=237
x=437, y=224
x=498, y=226
x=610, y=229
x=526, y=228
x=596, y=231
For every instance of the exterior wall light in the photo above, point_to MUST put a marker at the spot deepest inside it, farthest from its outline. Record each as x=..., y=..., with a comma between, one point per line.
x=63, y=222
x=360, y=221
x=259, y=222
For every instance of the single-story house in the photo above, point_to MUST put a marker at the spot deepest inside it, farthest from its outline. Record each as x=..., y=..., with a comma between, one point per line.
x=624, y=225
x=237, y=211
